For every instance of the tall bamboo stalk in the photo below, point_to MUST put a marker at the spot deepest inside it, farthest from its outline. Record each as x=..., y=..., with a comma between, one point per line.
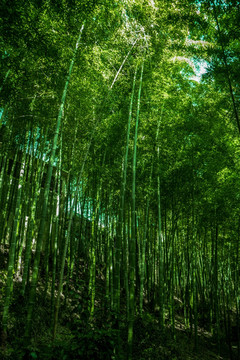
x=132, y=245
x=121, y=209
x=160, y=237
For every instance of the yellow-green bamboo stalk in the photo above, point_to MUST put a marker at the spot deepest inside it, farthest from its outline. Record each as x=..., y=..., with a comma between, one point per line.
x=119, y=234
x=132, y=245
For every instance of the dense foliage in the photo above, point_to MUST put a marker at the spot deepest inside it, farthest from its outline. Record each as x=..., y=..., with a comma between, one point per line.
x=119, y=177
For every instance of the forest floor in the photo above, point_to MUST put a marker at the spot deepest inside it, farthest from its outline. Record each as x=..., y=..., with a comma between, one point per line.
x=79, y=338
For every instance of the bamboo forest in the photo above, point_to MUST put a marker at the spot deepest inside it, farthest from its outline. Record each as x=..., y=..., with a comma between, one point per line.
x=120, y=179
